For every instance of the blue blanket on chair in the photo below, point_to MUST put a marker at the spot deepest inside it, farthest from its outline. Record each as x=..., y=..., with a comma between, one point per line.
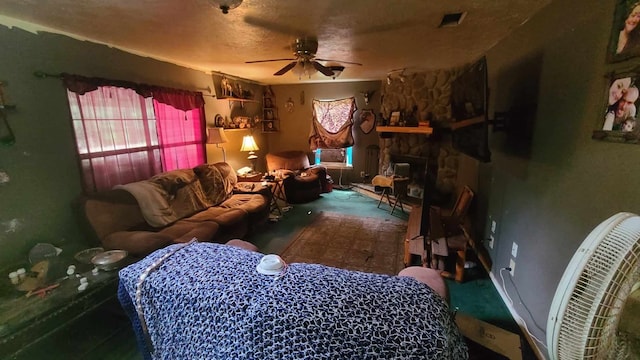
x=207, y=301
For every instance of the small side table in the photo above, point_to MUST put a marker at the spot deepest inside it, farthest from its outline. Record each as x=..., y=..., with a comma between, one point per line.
x=277, y=191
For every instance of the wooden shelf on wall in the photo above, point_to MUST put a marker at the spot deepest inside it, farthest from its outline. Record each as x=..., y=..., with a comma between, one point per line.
x=427, y=130
x=239, y=100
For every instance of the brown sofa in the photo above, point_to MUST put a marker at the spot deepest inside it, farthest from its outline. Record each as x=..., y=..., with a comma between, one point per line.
x=302, y=182
x=174, y=207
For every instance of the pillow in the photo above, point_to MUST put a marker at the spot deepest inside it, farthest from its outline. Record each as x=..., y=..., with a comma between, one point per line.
x=229, y=175
x=213, y=183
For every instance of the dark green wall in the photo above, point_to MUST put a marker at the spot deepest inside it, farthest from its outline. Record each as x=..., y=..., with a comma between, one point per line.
x=549, y=196
x=36, y=204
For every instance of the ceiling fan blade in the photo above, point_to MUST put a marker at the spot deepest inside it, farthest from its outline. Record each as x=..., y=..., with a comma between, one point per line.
x=340, y=61
x=323, y=69
x=261, y=61
x=287, y=67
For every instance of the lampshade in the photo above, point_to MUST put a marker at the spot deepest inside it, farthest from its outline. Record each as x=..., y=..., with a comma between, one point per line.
x=216, y=136
x=249, y=144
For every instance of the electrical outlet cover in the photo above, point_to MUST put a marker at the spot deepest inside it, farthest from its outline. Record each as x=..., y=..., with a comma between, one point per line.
x=514, y=250
x=512, y=265
x=491, y=239
x=493, y=226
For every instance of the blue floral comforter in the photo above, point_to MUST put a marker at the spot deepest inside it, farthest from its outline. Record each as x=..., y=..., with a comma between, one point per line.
x=207, y=301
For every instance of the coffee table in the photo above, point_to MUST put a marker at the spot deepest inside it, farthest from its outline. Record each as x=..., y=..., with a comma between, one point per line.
x=24, y=320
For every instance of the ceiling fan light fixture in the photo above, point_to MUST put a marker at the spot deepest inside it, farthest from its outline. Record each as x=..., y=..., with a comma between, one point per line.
x=298, y=70
x=309, y=69
x=226, y=5
x=337, y=70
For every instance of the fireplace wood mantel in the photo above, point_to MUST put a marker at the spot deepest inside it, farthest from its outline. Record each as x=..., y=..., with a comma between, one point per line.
x=427, y=130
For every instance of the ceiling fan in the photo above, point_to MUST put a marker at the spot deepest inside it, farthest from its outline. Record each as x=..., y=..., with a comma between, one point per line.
x=304, y=61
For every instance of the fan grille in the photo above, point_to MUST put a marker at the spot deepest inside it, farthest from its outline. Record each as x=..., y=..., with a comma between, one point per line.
x=590, y=319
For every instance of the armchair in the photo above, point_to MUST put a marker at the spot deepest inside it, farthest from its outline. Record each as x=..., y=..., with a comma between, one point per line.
x=302, y=182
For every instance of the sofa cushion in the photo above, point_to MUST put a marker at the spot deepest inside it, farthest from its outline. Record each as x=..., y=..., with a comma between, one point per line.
x=203, y=232
x=213, y=183
x=229, y=175
x=248, y=202
x=111, y=211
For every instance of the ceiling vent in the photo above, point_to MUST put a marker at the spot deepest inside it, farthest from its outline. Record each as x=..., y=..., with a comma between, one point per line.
x=452, y=19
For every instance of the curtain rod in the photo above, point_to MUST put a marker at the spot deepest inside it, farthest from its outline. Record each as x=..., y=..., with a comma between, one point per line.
x=43, y=75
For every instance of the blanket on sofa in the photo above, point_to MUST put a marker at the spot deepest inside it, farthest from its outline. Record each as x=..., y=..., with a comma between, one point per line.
x=168, y=197
x=207, y=301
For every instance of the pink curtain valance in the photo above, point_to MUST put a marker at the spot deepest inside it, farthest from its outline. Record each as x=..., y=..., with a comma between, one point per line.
x=180, y=99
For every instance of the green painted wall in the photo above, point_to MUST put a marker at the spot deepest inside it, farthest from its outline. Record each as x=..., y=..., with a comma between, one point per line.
x=547, y=199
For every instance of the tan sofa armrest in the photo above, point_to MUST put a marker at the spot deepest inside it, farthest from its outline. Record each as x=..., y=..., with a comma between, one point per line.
x=137, y=243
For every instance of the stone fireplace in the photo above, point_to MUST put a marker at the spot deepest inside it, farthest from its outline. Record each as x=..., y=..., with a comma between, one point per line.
x=420, y=96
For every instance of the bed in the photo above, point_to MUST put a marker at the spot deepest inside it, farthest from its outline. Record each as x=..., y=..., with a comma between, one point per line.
x=207, y=301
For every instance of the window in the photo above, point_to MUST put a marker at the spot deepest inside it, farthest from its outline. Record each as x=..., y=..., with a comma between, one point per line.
x=342, y=156
x=123, y=137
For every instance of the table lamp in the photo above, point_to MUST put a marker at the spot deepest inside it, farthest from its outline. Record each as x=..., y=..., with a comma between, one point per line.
x=217, y=136
x=249, y=144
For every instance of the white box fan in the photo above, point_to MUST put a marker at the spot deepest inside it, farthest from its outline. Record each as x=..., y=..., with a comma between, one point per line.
x=590, y=316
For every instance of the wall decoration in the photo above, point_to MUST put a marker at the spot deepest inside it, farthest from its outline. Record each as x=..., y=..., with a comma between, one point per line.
x=367, y=120
x=624, y=42
x=617, y=122
x=395, y=118
x=226, y=87
x=219, y=121
x=289, y=105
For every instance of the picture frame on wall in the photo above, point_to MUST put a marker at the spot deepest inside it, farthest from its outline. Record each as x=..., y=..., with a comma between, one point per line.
x=624, y=40
x=617, y=121
x=395, y=118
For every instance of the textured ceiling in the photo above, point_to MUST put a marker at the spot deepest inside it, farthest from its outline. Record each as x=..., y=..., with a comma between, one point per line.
x=383, y=35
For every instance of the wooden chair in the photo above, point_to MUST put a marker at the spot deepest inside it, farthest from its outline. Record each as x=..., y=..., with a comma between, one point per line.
x=448, y=234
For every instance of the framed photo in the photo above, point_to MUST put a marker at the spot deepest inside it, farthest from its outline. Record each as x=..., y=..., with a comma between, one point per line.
x=624, y=42
x=395, y=118
x=367, y=120
x=618, y=120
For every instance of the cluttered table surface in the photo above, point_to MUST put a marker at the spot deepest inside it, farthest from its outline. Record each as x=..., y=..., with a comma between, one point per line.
x=50, y=287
